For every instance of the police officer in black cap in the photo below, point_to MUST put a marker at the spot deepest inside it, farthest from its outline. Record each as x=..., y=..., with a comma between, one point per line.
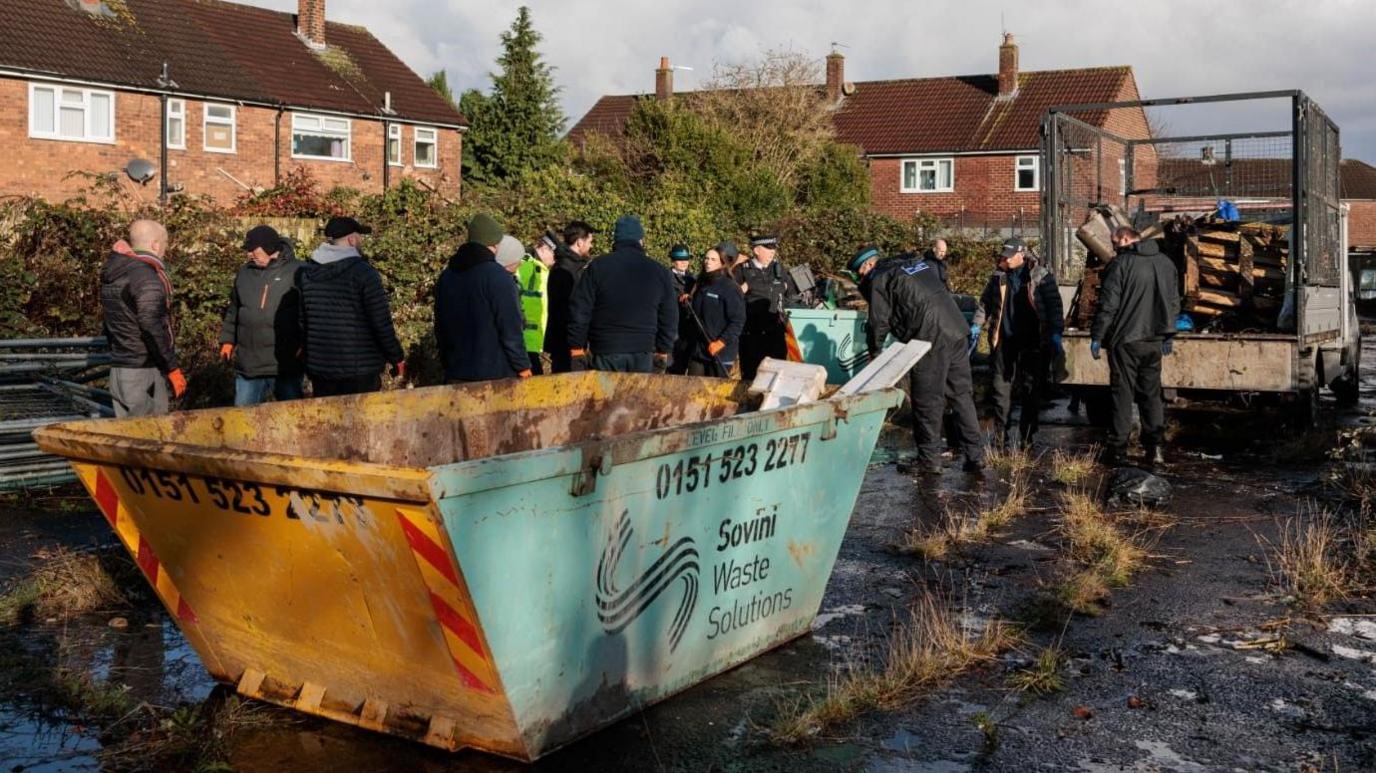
x=908, y=298
x=768, y=289
x=679, y=258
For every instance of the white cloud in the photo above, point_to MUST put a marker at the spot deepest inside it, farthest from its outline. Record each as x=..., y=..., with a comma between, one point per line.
x=1176, y=47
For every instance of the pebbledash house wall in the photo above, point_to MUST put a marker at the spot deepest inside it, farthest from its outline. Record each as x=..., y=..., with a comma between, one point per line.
x=42, y=167
x=985, y=192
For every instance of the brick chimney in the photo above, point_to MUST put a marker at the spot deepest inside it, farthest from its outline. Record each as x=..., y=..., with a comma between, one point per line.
x=836, y=76
x=1008, y=66
x=310, y=22
x=664, y=79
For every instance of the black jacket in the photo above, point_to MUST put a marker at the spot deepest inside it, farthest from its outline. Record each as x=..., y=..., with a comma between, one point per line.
x=347, y=320
x=263, y=320
x=940, y=265
x=1042, y=293
x=908, y=299
x=768, y=291
x=478, y=323
x=720, y=305
x=1139, y=299
x=624, y=304
x=563, y=275
x=136, y=297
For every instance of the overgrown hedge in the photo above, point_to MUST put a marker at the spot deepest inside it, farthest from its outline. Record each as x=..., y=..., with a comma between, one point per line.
x=51, y=253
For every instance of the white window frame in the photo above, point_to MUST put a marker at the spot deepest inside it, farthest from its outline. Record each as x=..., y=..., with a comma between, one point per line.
x=1122, y=177
x=178, y=112
x=348, y=136
x=922, y=164
x=1035, y=166
x=395, y=129
x=207, y=122
x=56, y=133
x=434, y=140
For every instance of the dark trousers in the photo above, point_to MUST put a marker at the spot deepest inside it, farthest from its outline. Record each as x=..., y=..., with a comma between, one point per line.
x=939, y=379
x=1019, y=368
x=560, y=361
x=761, y=338
x=1134, y=375
x=697, y=367
x=322, y=386
x=537, y=367
x=637, y=362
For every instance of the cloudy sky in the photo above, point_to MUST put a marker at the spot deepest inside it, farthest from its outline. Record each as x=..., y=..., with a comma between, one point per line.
x=1176, y=47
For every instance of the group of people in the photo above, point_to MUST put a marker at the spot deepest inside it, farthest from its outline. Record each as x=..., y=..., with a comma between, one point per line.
x=1021, y=313
x=502, y=311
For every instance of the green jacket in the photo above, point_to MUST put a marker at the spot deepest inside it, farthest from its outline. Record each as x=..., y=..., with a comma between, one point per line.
x=533, y=279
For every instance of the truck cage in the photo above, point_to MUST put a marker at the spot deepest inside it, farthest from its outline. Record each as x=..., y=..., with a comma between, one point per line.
x=1085, y=166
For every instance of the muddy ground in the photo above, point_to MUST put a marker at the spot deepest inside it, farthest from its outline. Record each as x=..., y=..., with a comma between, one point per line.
x=1173, y=675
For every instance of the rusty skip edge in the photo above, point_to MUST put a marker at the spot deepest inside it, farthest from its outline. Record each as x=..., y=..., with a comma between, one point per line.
x=87, y=441
x=597, y=456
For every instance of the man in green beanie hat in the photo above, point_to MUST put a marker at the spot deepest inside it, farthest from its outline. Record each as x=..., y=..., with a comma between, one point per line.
x=478, y=323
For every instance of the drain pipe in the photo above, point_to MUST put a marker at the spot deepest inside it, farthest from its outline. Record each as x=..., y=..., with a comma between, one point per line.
x=277, y=148
x=165, y=82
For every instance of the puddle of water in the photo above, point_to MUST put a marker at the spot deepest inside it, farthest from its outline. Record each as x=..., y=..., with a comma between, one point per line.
x=34, y=744
x=903, y=741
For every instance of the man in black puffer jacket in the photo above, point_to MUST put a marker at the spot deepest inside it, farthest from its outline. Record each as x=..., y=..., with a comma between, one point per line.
x=478, y=323
x=348, y=322
x=262, y=326
x=570, y=258
x=624, y=309
x=136, y=298
x=908, y=299
x=1138, y=305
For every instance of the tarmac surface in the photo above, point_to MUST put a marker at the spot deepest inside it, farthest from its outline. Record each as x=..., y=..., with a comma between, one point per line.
x=1175, y=674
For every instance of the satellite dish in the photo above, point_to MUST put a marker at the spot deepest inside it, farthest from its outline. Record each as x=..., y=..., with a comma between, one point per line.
x=140, y=171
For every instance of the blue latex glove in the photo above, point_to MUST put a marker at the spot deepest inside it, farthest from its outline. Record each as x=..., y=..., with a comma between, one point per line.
x=1095, y=349
x=1166, y=347
x=974, y=334
x=1057, y=344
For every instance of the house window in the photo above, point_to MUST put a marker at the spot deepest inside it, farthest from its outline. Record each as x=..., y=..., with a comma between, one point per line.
x=394, y=144
x=219, y=128
x=1122, y=177
x=321, y=137
x=928, y=175
x=176, y=124
x=79, y=115
x=427, y=154
x=1028, y=174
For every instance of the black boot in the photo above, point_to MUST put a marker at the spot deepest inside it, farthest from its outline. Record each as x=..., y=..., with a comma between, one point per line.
x=1112, y=457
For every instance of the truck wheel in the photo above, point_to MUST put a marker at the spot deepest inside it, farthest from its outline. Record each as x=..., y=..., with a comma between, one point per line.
x=1347, y=387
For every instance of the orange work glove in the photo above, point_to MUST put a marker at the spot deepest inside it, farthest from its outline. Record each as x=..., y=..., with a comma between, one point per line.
x=399, y=369
x=226, y=351
x=178, y=382
x=683, y=299
x=715, y=347
x=578, y=352
x=527, y=373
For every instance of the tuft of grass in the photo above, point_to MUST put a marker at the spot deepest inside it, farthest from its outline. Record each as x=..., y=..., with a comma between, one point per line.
x=958, y=529
x=1308, y=563
x=1093, y=540
x=189, y=738
x=1071, y=469
x=66, y=584
x=1013, y=462
x=1010, y=506
x=1082, y=593
x=1043, y=677
x=987, y=727
x=1357, y=484
x=929, y=649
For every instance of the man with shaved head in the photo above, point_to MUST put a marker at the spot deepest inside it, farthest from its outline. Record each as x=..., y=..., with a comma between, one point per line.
x=136, y=299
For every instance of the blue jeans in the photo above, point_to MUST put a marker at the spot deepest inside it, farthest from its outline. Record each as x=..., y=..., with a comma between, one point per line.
x=252, y=391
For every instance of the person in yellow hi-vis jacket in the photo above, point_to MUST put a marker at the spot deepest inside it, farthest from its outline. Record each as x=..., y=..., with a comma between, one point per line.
x=533, y=279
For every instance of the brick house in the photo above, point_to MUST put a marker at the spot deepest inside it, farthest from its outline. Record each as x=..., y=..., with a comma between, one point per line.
x=962, y=148
x=1358, y=181
x=233, y=97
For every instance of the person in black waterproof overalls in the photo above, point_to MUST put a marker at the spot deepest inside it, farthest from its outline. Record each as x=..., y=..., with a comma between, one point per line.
x=1022, y=306
x=908, y=300
x=768, y=288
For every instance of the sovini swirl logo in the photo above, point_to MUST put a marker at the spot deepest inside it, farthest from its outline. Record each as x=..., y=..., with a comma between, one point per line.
x=618, y=608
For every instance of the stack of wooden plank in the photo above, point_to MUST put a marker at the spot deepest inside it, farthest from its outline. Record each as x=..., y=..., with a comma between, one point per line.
x=1236, y=269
